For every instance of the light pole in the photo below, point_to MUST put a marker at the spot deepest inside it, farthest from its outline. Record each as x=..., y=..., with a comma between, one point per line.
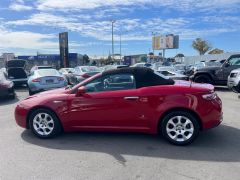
x=113, y=41
x=120, y=46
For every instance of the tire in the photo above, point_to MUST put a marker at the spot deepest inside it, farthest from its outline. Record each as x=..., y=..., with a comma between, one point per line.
x=44, y=123
x=12, y=95
x=203, y=78
x=30, y=92
x=180, y=127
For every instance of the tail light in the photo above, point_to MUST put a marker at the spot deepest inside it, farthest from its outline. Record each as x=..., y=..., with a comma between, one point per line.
x=210, y=96
x=86, y=76
x=61, y=79
x=36, y=80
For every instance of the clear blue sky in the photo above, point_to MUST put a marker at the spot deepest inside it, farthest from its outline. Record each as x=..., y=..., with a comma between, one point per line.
x=28, y=26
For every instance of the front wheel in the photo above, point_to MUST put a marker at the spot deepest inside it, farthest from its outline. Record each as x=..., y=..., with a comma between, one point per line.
x=180, y=127
x=44, y=123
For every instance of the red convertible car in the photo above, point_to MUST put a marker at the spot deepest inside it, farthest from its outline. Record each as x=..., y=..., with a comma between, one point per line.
x=124, y=100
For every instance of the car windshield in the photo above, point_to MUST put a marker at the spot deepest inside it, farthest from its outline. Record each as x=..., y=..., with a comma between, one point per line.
x=90, y=69
x=48, y=72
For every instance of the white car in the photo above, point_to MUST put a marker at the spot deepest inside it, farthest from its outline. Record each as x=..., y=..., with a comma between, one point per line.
x=234, y=80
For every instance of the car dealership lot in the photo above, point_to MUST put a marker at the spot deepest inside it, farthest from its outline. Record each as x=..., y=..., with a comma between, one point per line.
x=214, y=155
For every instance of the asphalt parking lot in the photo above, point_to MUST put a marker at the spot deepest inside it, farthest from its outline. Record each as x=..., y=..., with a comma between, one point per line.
x=214, y=155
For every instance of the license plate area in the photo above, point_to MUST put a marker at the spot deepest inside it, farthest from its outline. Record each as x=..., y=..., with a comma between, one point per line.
x=49, y=81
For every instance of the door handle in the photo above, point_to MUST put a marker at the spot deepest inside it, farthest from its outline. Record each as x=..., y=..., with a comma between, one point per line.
x=131, y=98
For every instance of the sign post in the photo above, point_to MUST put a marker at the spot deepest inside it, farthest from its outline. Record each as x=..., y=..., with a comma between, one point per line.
x=63, y=45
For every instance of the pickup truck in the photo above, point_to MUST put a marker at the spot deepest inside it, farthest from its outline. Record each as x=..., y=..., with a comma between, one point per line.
x=217, y=75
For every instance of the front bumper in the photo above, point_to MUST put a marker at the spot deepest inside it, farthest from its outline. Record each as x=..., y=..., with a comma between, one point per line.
x=234, y=84
x=21, y=113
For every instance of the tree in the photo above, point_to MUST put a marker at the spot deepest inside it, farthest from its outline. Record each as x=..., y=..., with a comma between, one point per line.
x=85, y=59
x=180, y=55
x=201, y=45
x=216, y=51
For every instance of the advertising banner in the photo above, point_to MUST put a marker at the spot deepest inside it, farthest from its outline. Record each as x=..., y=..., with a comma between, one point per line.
x=165, y=42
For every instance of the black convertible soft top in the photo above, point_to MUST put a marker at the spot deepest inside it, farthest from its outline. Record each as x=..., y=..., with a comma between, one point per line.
x=144, y=76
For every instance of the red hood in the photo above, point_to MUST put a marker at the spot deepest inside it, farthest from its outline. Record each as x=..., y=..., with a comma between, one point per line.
x=203, y=87
x=55, y=91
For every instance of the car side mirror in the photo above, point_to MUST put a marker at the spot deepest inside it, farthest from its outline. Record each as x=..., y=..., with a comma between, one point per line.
x=227, y=64
x=81, y=91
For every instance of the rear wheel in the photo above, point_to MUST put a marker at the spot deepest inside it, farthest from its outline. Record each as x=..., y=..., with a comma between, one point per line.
x=180, y=127
x=203, y=79
x=44, y=123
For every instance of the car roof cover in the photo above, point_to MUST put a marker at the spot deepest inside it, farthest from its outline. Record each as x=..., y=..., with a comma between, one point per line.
x=144, y=76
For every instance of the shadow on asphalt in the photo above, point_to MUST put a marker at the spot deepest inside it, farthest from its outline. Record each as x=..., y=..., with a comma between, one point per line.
x=222, y=88
x=7, y=100
x=219, y=145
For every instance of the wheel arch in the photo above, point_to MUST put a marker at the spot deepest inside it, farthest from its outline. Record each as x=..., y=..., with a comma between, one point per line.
x=42, y=107
x=204, y=73
x=179, y=109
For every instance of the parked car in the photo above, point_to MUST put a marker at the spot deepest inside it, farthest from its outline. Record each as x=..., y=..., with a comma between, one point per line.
x=142, y=65
x=16, y=71
x=180, y=68
x=40, y=67
x=84, y=72
x=68, y=74
x=124, y=100
x=174, y=75
x=217, y=75
x=108, y=67
x=234, y=80
x=45, y=79
x=6, y=86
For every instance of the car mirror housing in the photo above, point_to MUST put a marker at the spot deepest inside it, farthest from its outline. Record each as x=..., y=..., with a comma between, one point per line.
x=227, y=64
x=81, y=91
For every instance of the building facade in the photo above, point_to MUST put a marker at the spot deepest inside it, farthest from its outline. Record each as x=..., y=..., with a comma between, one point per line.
x=53, y=60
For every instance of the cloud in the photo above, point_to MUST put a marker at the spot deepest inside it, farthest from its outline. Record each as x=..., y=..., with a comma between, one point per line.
x=183, y=5
x=131, y=29
x=19, y=5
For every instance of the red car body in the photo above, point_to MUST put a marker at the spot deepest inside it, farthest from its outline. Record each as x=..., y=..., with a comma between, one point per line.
x=112, y=111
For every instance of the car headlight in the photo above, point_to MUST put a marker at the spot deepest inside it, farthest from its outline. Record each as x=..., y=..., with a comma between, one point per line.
x=233, y=75
x=210, y=96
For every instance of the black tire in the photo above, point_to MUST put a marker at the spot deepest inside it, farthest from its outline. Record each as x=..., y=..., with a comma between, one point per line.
x=30, y=92
x=193, y=126
x=55, y=124
x=13, y=94
x=203, y=78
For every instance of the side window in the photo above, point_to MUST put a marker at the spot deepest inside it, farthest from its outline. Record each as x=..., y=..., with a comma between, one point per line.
x=234, y=61
x=112, y=83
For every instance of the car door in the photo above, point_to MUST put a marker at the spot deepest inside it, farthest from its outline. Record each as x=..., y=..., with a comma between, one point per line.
x=110, y=102
x=231, y=64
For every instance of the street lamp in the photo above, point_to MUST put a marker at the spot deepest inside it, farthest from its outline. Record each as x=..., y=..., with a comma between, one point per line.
x=113, y=41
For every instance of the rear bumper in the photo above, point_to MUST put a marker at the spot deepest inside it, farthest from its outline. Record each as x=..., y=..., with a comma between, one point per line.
x=211, y=114
x=36, y=88
x=19, y=81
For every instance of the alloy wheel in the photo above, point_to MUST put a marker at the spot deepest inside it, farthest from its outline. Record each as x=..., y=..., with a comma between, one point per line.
x=180, y=128
x=43, y=124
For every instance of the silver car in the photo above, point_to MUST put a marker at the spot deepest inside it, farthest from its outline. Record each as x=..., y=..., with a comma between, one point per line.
x=84, y=72
x=234, y=80
x=173, y=75
x=45, y=79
